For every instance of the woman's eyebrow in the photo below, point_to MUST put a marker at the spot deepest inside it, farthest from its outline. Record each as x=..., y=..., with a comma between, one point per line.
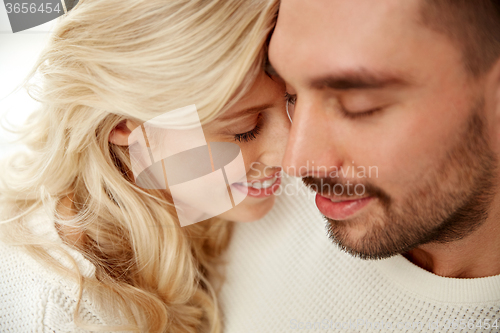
x=246, y=112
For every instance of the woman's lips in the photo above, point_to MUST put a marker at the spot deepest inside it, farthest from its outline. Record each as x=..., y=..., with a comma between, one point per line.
x=260, y=188
x=340, y=210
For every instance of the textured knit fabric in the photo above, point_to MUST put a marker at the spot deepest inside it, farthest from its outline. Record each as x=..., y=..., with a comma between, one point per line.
x=34, y=298
x=285, y=275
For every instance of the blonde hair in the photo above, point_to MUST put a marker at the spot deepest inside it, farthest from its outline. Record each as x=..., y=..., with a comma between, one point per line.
x=125, y=59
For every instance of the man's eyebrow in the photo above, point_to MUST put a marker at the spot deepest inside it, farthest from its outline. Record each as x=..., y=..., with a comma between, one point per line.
x=361, y=79
x=246, y=112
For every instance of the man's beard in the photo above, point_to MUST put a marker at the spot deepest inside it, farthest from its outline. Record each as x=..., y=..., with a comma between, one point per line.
x=449, y=203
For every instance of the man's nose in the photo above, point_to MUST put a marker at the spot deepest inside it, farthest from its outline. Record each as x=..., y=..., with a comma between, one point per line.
x=311, y=149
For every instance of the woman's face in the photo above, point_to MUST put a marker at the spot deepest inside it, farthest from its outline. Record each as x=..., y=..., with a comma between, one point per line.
x=259, y=125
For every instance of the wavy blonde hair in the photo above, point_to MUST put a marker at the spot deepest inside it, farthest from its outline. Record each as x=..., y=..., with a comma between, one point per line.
x=110, y=60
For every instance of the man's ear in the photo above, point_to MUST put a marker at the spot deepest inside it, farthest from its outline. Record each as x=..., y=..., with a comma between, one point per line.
x=119, y=135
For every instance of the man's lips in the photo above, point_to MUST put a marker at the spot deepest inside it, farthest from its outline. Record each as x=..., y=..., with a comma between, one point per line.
x=340, y=208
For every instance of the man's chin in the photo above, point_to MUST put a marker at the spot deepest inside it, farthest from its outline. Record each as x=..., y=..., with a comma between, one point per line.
x=359, y=238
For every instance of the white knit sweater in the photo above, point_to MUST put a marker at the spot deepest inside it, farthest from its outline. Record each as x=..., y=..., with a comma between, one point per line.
x=285, y=275
x=34, y=298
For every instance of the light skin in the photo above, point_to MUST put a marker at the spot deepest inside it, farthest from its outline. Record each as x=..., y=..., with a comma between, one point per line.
x=262, y=150
x=374, y=87
x=263, y=107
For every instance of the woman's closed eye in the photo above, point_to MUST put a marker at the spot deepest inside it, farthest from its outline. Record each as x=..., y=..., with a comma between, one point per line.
x=250, y=135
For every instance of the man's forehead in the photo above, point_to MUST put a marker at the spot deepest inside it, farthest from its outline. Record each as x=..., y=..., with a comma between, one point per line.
x=318, y=33
x=343, y=14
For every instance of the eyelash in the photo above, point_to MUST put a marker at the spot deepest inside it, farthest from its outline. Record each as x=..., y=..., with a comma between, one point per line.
x=292, y=99
x=250, y=135
x=354, y=115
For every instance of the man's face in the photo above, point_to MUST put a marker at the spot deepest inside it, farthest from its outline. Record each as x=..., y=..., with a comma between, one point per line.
x=384, y=102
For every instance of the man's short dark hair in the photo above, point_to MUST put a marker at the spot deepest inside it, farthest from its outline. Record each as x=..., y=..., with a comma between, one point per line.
x=473, y=25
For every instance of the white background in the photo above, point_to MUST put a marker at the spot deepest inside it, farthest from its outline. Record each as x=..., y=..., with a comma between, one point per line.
x=18, y=53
